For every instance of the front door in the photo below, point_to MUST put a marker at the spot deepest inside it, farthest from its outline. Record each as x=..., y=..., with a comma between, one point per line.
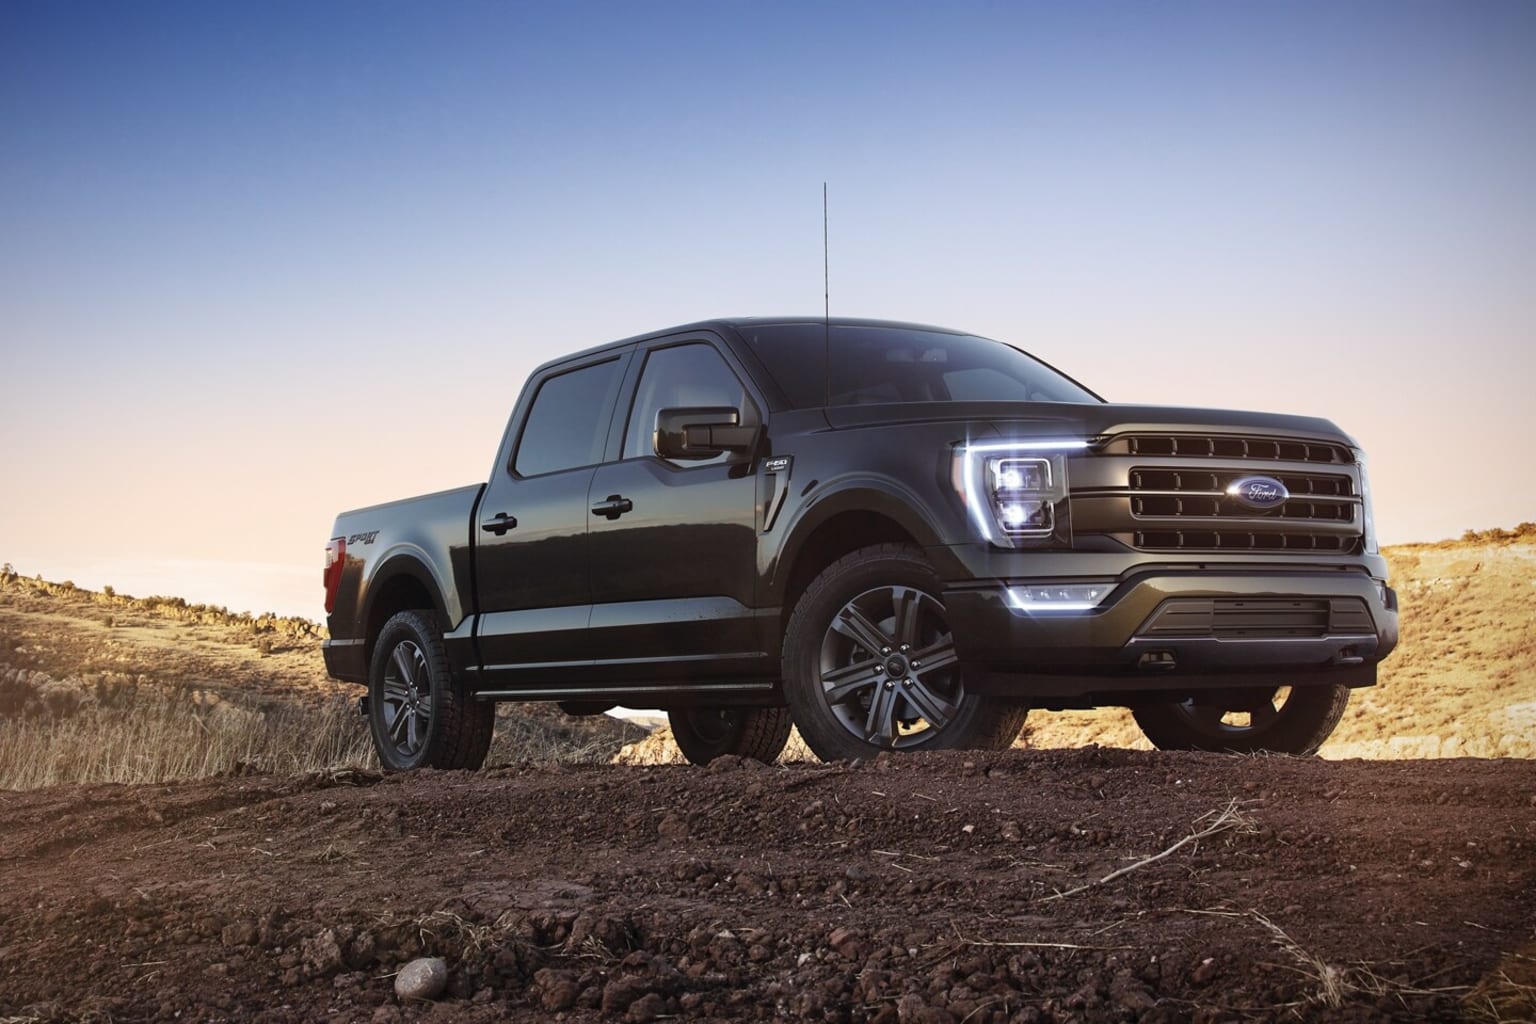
x=674, y=562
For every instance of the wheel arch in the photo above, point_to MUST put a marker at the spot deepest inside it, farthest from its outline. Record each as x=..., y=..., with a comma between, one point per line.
x=838, y=525
x=401, y=583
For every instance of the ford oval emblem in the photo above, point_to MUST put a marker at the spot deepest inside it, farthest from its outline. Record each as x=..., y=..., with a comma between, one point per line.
x=1258, y=492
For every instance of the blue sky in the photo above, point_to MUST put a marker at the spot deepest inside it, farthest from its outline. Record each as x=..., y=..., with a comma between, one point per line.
x=263, y=261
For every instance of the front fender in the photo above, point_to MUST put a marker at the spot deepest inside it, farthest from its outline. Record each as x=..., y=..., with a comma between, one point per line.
x=873, y=495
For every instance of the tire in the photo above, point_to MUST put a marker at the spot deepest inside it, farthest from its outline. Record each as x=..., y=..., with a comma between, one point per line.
x=1279, y=720
x=420, y=715
x=703, y=734
x=854, y=664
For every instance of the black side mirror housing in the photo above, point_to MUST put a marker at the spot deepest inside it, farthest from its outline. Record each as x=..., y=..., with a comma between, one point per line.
x=703, y=433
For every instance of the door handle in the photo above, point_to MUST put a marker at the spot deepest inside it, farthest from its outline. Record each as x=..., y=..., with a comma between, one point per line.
x=613, y=506
x=500, y=524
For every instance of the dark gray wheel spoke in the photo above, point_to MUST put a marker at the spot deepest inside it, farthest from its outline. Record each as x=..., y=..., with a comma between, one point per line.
x=395, y=692
x=907, y=605
x=398, y=722
x=935, y=709
x=413, y=741
x=880, y=724
x=404, y=665
x=843, y=683
x=855, y=625
x=938, y=656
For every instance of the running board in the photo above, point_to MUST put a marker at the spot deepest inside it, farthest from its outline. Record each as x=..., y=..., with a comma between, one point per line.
x=690, y=692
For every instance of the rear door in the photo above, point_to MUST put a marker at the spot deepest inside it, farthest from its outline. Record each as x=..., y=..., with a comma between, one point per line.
x=674, y=573
x=531, y=562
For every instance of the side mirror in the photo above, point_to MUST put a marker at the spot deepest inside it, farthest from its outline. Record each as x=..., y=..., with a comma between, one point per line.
x=691, y=434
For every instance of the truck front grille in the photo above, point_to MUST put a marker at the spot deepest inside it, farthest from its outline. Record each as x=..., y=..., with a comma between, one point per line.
x=1202, y=494
x=1239, y=540
x=1167, y=492
x=1227, y=446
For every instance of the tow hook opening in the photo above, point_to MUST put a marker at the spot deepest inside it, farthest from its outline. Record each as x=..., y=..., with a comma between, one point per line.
x=1348, y=656
x=1157, y=661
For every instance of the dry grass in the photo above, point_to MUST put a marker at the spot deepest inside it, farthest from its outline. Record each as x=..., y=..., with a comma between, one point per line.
x=170, y=735
x=1219, y=821
x=1508, y=994
x=541, y=733
x=56, y=732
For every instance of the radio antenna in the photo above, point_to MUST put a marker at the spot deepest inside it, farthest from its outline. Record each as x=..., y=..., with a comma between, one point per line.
x=826, y=294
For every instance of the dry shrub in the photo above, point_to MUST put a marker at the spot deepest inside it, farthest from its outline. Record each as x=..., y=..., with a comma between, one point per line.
x=1499, y=535
x=289, y=628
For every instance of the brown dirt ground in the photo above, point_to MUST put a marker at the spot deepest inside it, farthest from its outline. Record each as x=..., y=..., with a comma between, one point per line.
x=910, y=889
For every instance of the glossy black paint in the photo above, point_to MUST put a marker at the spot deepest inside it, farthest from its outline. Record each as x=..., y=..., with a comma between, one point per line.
x=668, y=582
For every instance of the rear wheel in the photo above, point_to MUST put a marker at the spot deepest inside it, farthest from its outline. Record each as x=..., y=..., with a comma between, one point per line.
x=1277, y=719
x=420, y=715
x=870, y=664
x=703, y=734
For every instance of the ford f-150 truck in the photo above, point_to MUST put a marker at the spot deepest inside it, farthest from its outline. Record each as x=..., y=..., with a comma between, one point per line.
x=895, y=537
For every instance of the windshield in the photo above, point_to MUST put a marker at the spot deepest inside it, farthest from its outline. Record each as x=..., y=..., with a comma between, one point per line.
x=877, y=365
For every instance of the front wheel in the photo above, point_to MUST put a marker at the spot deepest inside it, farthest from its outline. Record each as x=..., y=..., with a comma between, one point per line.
x=419, y=714
x=870, y=664
x=703, y=734
x=1278, y=720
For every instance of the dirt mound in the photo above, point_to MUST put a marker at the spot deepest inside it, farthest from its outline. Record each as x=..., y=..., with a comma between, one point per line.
x=1025, y=886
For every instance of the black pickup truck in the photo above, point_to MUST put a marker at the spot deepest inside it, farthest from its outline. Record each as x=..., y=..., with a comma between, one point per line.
x=895, y=537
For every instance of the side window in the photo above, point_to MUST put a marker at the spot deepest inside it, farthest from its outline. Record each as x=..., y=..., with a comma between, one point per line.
x=681, y=376
x=568, y=424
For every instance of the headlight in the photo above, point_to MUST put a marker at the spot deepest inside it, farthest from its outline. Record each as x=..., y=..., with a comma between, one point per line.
x=1012, y=488
x=1366, y=511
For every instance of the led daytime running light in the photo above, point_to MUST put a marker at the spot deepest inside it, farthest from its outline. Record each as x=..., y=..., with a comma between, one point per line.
x=1031, y=598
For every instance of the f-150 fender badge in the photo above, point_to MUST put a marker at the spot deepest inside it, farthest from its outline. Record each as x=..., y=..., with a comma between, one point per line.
x=773, y=468
x=1260, y=493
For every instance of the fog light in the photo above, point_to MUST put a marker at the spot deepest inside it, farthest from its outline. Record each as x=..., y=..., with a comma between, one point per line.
x=1057, y=597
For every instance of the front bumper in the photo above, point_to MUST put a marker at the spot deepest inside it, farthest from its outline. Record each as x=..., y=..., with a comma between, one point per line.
x=1167, y=631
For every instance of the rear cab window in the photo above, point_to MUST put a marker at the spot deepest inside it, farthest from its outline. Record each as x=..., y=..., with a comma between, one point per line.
x=567, y=425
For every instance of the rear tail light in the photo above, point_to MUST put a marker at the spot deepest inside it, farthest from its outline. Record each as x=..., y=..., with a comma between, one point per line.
x=335, y=559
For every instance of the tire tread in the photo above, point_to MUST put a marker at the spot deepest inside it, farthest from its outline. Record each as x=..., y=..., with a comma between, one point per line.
x=462, y=727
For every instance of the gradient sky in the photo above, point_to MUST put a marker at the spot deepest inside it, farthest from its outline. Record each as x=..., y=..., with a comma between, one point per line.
x=260, y=262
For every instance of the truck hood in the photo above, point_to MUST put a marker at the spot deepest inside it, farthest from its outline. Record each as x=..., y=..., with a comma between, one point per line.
x=1008, y=420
